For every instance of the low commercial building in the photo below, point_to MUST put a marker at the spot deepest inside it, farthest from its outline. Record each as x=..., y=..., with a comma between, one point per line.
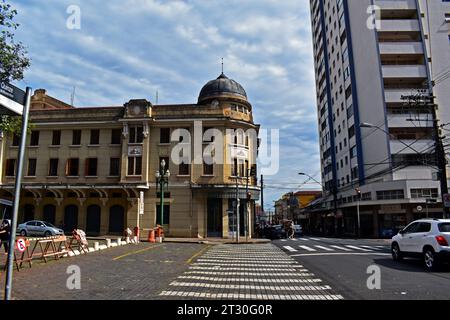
x=94, y=168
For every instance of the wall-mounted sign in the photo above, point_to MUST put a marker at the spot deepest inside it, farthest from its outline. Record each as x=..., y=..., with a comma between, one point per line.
x=135, y=151
x=239, y=152
x=12, y=99
x=141, y=202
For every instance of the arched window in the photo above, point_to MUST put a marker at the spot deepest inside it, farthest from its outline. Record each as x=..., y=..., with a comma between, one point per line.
x=93, y=218
x=50, y=213
x=116, y=219
x=70, y=218
x=28, y=212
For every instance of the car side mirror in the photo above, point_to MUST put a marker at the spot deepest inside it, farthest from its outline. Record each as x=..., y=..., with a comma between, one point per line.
x=402, y=232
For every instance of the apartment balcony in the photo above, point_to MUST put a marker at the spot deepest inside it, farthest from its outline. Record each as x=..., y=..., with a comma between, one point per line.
x=396, y=5
x=395, y=95
x=400, y=25
x=409, y=121
x=401, y=48
x=404, y=71
x=398, y=147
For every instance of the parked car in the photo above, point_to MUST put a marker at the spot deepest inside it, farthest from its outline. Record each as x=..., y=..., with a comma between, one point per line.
x=38, y=228
x=298, y=230
x=427, y=239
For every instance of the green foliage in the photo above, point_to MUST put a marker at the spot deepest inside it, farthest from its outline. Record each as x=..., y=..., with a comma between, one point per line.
x=13, y=125
x=13, y=55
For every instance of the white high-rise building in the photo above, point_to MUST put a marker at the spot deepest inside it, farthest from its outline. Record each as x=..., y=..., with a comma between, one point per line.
x=369, y=55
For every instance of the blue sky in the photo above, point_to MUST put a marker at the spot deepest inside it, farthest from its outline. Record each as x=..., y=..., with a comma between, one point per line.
x=130, y=49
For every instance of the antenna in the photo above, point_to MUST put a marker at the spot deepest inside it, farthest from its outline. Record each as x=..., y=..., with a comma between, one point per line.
x=156, y=97
x=222, y=65
x=72, y=96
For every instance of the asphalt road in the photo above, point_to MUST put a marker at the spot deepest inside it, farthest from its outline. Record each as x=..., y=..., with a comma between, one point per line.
x=343, y=263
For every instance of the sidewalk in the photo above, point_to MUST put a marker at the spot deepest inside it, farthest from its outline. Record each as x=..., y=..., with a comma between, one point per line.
x=215, y=240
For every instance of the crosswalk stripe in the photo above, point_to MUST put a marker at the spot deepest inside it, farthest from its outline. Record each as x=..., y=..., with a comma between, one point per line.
x=304, y=239
x=283, y=240
x=324, y=248
x=258, y=279
x=246, y=261
x=341, y=248
x=308, y=248
x=315, y=239
x=294, y=239
x=248, y=287
x=251, y=296
x=218, y=268
x=289, y=248
x=357, y=248
x=290, y=274
x=371, y=247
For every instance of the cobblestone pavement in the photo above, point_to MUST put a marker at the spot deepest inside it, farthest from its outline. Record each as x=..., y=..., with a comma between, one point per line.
x=255, y=271
x=129, y=272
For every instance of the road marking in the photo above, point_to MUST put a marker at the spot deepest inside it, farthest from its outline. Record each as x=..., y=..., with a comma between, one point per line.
x=258, y=280
x=341, y=254
x=249, y=287
x=283, y=240
x=256, y=264
x=357, y=248
x=341, y=248
x=252, y=296
x=136, y=252
x=188, y=261
x=289, y=248
x=308, y=248
x=324, y=248
x=371, y=247
x=275, y=261
x=315, y=239
x=304, y=239
x=294, y=239
x=292, y=274
x=218, y=268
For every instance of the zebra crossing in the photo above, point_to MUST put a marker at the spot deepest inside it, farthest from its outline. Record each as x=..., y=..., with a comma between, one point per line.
x=324, y=248
x=253, y=271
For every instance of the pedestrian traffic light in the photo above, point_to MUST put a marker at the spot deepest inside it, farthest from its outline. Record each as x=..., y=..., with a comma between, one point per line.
x=358, y=193
x=249, y=196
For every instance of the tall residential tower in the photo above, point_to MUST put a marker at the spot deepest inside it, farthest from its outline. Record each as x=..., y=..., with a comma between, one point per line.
x=373, y=59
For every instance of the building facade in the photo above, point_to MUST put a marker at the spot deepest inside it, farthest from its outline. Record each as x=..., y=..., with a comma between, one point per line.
x=94, y=168
x=377, y=63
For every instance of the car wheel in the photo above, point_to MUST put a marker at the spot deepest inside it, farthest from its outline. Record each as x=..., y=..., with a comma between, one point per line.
x=430, y=259
x=47, y=234
x=23, y=233
x=397, y=255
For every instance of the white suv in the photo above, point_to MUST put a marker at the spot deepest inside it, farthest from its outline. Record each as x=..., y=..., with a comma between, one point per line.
x=427, y=239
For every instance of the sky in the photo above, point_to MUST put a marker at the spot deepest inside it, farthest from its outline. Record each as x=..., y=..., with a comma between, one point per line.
x=130, y=49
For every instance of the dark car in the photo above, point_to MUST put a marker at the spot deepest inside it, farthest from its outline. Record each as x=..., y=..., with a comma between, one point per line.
x=275, y=232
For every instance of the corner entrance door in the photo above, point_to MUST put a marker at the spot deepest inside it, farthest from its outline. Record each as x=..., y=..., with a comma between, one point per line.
x=214, y=218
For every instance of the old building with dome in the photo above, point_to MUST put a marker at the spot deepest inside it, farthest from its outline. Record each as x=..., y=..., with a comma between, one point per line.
x=94, y=168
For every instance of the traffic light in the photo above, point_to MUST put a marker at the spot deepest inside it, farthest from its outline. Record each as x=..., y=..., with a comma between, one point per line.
x=249, y=196
x=358, y=193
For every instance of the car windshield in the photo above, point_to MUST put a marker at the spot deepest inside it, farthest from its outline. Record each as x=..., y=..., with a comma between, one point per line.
x=48, y=224
x=444, y=227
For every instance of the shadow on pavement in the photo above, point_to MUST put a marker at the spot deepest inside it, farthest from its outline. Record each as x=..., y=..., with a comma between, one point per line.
x=409, y=265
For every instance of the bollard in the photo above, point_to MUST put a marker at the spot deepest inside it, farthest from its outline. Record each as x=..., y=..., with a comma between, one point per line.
x=135, y=239
x=128, y=240
x=119, y=241
x=108, y=243
x=96, y=246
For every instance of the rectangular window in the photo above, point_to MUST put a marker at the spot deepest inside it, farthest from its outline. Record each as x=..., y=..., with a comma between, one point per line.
x=15, y=140
x=34, y=141
x=76, y=137
x=208, y=169
x=424, y=193
x=56, y=137
x=114, y=167
x=166, y=214
x=90, y=168
x=10, y=167
x=95, y=137
x=136, y=135
x=183, y=169
x=351, y=131
x=116, y=136
x=53, y=168
x=31, y=168
x=164, y=135
x=72, y=167
x=390, y=195
x=134, y=166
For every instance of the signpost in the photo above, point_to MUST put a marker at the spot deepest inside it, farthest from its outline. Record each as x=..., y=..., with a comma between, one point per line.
x=14, y=101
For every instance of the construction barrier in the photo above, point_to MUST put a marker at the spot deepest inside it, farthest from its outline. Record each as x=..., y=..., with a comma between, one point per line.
x=78, y=242
x=50, y=247
x=21, y=253
x=151, y=236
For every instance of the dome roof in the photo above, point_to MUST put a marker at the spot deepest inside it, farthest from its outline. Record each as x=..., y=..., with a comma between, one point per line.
x=222, y=86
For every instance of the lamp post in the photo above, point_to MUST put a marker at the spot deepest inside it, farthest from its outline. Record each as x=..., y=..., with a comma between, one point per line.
x=162, y=181
x=358, y=198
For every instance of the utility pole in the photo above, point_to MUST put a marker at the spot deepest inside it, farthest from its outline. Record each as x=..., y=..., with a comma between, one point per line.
x=262, y=193
x=237, y=211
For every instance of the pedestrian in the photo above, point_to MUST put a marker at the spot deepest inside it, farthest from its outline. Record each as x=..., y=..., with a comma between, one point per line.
x=5, y=234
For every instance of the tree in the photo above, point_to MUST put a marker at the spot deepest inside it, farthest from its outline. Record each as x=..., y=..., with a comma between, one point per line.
x=13, y=60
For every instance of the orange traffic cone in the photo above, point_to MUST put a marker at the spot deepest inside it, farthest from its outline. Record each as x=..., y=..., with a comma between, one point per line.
x=151, y=236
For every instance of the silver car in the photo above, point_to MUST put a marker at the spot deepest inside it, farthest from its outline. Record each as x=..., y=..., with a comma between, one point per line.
x=38, y=228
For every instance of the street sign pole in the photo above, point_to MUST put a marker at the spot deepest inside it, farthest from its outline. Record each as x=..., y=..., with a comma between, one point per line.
x=16, y=200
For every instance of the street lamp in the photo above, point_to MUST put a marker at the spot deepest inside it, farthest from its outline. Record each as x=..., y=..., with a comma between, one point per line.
x=162, y=181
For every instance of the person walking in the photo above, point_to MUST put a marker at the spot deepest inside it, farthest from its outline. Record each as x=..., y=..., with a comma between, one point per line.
x=5, y=234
